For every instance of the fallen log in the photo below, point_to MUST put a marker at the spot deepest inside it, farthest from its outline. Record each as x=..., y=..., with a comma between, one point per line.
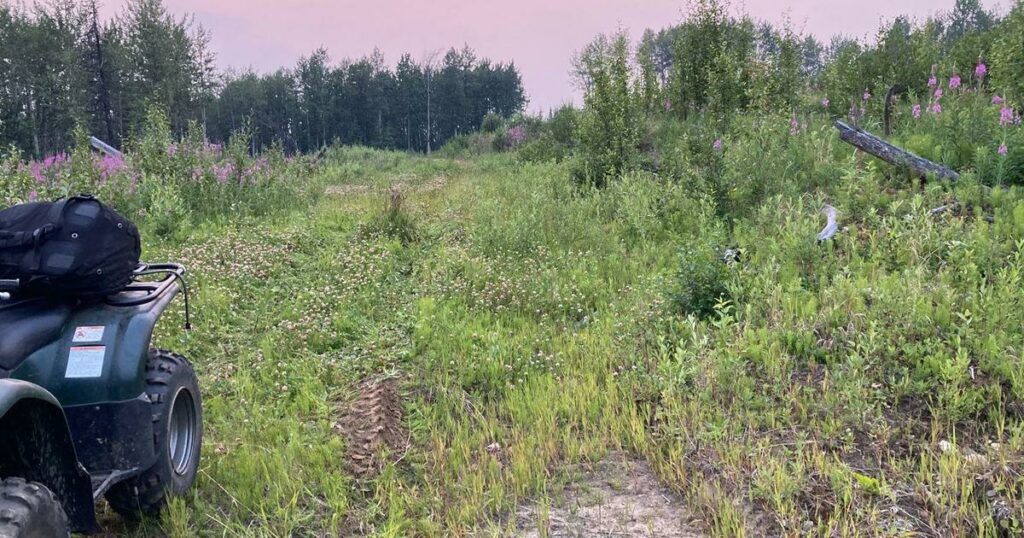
x=953, y=207
x=102, y=146
x=832, y=227
x=891, y=154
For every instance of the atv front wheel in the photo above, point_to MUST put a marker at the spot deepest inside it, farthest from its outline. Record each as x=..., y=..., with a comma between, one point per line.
x=177, y=431
x=30, y=510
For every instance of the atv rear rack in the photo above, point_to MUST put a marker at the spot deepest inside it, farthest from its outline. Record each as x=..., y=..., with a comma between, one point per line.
x=141, y=292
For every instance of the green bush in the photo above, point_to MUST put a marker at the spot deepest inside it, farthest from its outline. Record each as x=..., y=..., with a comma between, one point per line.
x=701, y=280
x=491, y=123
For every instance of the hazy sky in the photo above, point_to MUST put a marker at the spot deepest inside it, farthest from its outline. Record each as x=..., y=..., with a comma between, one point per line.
x=539, y=35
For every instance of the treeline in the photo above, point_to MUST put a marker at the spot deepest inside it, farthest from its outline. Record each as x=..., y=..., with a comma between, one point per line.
x=62, y=67
x=715, y=64
x=717, y=61
x=416, y=106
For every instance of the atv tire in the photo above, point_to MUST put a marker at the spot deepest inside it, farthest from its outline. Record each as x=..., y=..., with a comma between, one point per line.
x=30, y=510
x=177, y=433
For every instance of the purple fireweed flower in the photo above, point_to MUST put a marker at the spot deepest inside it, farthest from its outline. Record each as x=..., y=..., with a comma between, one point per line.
x=824, y=103
x=933, y=82
x=717, y=145
x=936, y=108
x=938, y=93
x=916, y=110
x=172, y=150
x=54, y=160
x=1006, y=116
x=954, y=82
x=109, y=166
x=794, y=126
x=997, y=100
x=1002, y=149
x=36, y=170
x=516, y=135
x=867, y=95
x=33, y=196
x=223, y=172
x=981, y=70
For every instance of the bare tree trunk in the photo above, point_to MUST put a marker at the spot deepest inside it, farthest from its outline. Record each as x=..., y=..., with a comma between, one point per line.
x=889, y=153
x=429, y=76
x=104, y=89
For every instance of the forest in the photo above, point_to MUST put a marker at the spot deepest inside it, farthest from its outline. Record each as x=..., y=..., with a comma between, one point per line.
x=64, y=67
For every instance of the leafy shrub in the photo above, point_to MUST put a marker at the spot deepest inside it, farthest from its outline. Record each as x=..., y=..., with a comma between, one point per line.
x=544, y=149
x=491, y=123
x=609, y=126
x=701, y=280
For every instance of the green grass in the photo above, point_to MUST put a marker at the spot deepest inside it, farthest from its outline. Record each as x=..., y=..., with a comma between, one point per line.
x=525, y=313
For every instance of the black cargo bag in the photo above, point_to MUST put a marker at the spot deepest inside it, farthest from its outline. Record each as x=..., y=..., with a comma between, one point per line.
x=76, y=247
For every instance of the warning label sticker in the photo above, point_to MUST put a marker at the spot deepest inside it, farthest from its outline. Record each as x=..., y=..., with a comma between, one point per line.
x=85, y=362
x=88, y=334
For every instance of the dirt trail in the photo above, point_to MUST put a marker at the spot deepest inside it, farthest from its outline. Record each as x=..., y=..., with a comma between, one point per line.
x=615, y=498
x=354, y=189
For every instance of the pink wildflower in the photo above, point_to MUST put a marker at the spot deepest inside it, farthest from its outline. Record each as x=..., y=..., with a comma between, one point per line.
x=933, y=82
x=1002, y=149
x=54, y=160
x=954, y=82
x=110, y=165
x=717, y=146
x=936, y=108
x=867, y=95
x=997, y=100
x=938, y=93
x=36, y=169
x=981, y=70
x=33, y=196
x=516, y=135
x=916, y=110
x=1005, y=116
x=794, y=126
x=824, y=103
x=223, y=172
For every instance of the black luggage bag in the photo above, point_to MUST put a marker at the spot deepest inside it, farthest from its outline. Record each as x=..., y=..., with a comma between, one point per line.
x=76, y=247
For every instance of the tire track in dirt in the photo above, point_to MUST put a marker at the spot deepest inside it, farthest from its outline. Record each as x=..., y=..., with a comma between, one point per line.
x=372, y=425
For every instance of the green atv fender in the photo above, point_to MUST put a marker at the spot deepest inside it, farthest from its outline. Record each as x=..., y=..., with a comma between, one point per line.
x=37, y=446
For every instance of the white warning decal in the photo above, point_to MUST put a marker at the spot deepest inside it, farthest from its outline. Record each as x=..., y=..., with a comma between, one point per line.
x=85, y=362
x=88, y=334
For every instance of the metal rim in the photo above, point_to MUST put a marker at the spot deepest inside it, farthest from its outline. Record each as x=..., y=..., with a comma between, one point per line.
x=182, y=433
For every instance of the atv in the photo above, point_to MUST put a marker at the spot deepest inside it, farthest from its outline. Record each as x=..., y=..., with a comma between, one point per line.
x=89, y=410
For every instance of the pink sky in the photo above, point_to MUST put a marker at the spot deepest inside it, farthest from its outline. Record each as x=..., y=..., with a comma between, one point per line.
x=539, y=35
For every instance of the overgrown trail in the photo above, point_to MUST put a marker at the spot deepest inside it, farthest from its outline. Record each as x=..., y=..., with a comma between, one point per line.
x=498, y=324
x=453, y=349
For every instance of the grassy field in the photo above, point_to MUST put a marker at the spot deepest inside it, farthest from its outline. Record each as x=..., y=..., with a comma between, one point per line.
x=488, y=326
